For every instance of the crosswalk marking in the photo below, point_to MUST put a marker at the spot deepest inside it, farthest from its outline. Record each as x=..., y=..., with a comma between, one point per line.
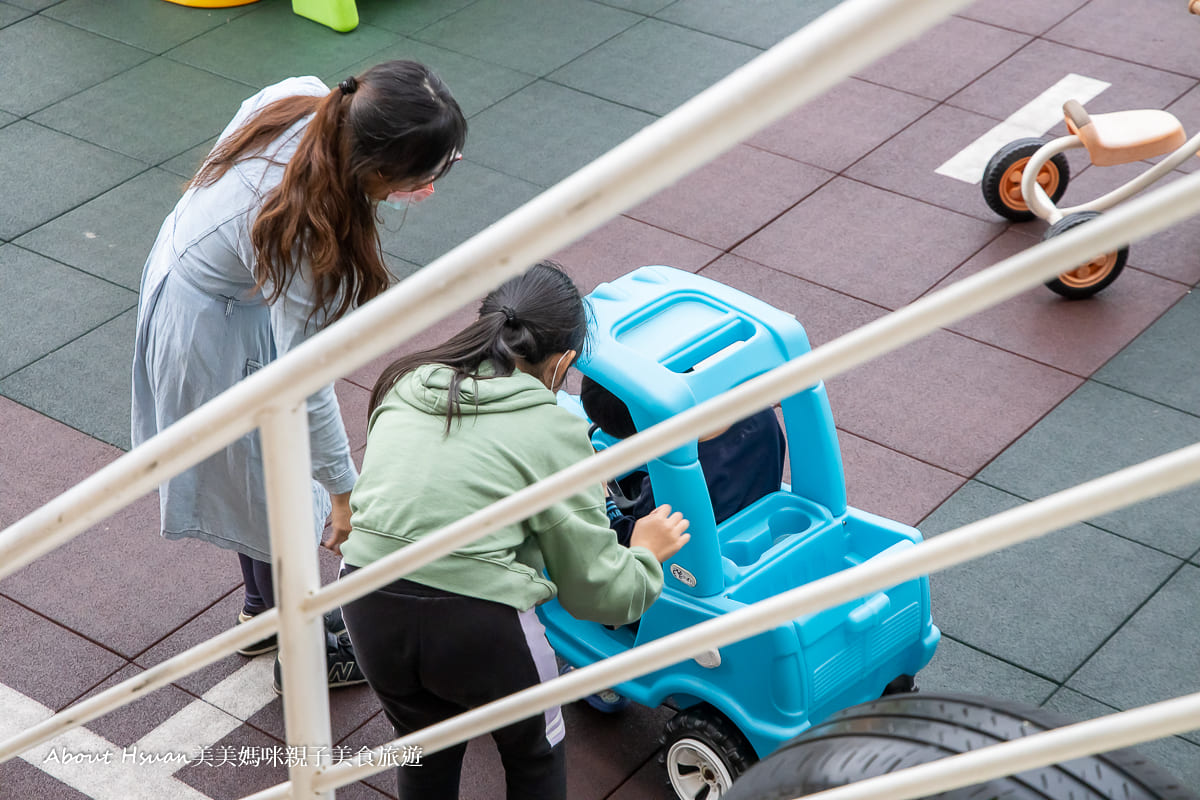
x=144, y=770
x=1033, y=119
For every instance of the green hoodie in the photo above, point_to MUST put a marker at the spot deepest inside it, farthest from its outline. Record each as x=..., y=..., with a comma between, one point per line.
x=416, y=479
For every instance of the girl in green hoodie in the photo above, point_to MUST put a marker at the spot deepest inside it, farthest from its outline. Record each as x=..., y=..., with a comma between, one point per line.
x=452, y=430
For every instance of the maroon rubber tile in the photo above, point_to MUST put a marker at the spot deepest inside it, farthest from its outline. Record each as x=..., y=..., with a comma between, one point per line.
x=614, y=249
x=622, y=245
x=1187, y=110
x=1029, y=16
x=648, y=783
x=128, y=724
x=121, y=564
x=946, y=400
x=22, y=779
x=843, y=125
x=482, y=773
x=366, y=375
x=732, y=197
x=945, y=58
x=1075, y=336
x=354, y=400
x=226, y=770
x=1161, y=35
x=53, y=665
x=125, y=568
x=869, y=243
x=907, y=163
x=1170, y=253
x=1039, y=66
x=825, y=314
x=217, y=619
x=603, y=750
x=892, y=484
x=349, y=708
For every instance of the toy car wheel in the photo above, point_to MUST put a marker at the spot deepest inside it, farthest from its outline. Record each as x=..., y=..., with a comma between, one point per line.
x=1001, y=183
x=894, y=733
x=704, y=753
x=1086, y=279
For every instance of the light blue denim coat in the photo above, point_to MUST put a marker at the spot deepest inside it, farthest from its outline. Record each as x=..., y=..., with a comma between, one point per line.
x=202, y=326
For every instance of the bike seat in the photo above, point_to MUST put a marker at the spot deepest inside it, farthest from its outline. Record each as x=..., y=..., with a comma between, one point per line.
x=1124, y=136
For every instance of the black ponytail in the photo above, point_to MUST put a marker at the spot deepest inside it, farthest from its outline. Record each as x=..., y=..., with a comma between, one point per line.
x=527, y=317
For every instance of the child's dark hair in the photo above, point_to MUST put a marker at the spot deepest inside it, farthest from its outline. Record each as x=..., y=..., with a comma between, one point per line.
x=606, y=409
x=528, y=317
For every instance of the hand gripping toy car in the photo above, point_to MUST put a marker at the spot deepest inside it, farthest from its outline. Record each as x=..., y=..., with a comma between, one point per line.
x=666, y=340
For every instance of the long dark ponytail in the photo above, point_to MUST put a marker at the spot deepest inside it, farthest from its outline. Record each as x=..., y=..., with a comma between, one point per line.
x=394, y=122
x=527, y=317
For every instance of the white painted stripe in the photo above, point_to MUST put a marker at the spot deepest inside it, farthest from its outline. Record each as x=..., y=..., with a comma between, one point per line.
x=246, y=691
x=1033, y=119
x=120, y=779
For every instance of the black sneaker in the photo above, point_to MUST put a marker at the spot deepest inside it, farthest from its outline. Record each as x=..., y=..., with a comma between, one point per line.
x=334, y=623
x=262, y=645
x=340, y=661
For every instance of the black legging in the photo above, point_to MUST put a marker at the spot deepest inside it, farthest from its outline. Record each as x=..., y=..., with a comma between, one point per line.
x=260, y=588
x=430, y=655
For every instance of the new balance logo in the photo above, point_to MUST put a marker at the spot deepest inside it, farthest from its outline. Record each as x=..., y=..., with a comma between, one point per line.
x=342, y=672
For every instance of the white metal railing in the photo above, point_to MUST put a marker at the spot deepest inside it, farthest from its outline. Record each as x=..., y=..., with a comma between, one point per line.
x=851, y=36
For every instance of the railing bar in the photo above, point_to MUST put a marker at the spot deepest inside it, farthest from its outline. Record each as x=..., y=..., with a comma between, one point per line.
x=142, y=684
x=294, y=537
x=799, y=68
x=1110, y=732
x=1023, y=523
x=1006, y=279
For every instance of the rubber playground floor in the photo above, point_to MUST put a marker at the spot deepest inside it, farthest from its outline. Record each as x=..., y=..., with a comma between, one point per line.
x=837, y=214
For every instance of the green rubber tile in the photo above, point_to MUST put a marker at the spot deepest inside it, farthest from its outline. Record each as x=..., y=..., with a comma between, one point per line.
x=771, y=21
x=45, y=61
x=45, y=305
x=271, y=43
x=32, y=5
x=44, y=173
x=10, y=14
x=529, y=35
x=470, y=198
x=1153, y=656
x=110, y=237
x=1095, y=431
x=654, y=66
x=156, y=27
x=409, y=16
x=153, y=112
x=545, y=132
x=186, y=163
x=1160, y=364
x=1179, y=757
x=961, y=669
x=85, y=383
x=1044, y=605
x=475, y=84
x=6, y=118
x=638, y=6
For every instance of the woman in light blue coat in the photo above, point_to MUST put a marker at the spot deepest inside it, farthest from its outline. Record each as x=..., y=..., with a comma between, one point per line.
x=275, y=238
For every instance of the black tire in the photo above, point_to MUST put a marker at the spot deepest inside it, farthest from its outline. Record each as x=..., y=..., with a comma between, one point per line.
x=1090, y=278
x=704, y=753
x=1001, y=183
x=893, y=733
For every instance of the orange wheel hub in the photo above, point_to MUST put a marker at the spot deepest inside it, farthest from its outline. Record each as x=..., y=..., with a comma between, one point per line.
x=1010, y=183
x=1091, y=273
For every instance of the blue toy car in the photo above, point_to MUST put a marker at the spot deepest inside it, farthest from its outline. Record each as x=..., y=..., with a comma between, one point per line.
x=666, y=340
